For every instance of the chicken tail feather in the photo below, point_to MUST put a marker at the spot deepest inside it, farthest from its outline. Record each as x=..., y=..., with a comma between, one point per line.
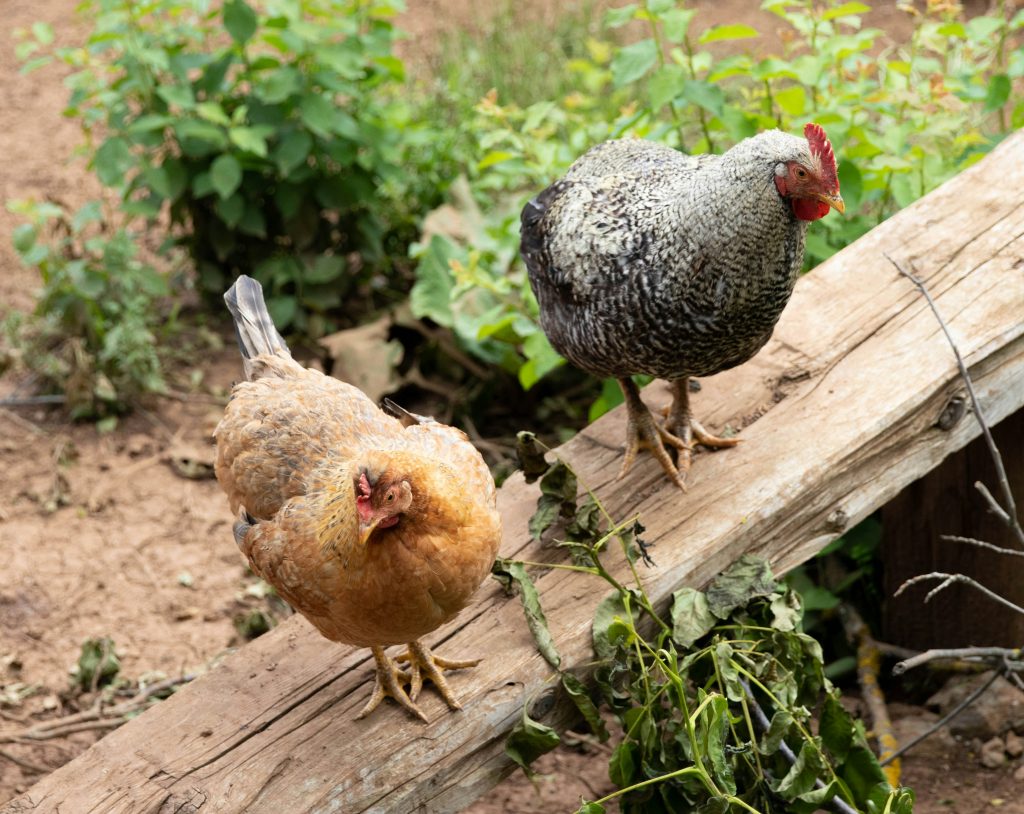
x=254, y=328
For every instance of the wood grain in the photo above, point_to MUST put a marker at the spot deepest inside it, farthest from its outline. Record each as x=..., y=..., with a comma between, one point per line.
x=838, y=414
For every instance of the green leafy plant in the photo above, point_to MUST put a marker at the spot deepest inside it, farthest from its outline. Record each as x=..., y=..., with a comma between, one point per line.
x=272, y=136
x=724, y=705
x=92, y=336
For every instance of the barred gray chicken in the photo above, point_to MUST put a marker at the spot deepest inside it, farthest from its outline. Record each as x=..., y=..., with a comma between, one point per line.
x=645, y=260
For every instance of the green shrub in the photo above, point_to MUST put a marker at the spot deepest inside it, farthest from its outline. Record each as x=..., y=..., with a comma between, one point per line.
x=902, y=120
x=91, y=336
x=273, y=137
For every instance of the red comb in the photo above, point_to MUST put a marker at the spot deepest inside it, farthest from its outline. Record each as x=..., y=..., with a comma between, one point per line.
x=822, y=149
x=364, y=486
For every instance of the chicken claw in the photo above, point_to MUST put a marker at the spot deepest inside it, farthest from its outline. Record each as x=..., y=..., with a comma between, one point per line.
x=424, y=664
x=391, y=678
x=388, y=683
x=680, y=421
x=643, y=432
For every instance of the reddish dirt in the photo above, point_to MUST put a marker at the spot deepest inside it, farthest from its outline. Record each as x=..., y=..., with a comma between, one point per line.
x=103, y=535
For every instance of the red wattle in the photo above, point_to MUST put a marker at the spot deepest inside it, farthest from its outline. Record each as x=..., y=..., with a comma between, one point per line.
x=809, y=209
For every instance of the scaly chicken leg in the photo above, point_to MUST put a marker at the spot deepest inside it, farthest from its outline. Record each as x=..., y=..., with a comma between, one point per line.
x=642, y=431
x=680, y=422
x=422, y=664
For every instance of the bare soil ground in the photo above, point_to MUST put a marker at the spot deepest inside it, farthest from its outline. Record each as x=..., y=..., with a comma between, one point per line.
x=125, y=535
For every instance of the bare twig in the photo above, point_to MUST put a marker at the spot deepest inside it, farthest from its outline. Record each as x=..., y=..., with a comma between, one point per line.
x=96, y=717
x=1003, y=655
x=836, y=803
x=22, y=422
x=1008, y=512
x=952, y=579
x=29, y=401
x=868, y=666
x=27, y=765
x=956, y=538
x=949, y=716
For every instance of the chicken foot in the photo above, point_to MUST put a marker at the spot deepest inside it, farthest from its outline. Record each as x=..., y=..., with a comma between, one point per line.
x=680, y=422
x=642, y=432
x=391, y=678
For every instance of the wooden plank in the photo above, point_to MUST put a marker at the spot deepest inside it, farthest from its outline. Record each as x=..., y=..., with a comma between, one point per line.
x=838, y=413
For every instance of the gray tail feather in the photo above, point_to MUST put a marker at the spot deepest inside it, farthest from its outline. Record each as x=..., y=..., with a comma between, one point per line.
x=254, y=328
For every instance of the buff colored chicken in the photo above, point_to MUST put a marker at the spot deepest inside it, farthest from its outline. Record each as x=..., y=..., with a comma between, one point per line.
x=377, y=529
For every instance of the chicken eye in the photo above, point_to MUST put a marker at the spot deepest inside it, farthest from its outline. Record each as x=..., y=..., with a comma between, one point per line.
x=801, y=173
x=390, y=497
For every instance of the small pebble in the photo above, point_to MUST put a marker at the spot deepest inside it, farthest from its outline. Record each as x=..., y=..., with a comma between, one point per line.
x=993, y=753
x=1014, y=744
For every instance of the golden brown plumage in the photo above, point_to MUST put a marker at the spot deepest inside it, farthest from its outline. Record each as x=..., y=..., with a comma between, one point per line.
x=377, y=530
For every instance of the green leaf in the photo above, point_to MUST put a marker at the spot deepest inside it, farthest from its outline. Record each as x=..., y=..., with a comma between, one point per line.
x=225, y=175
x=240, y=20
x=541, y=359
x=24, y=237
x=587, y=708
x=199, y=138
x=494, y=157
x=845, y=10
x=591, y=808
x=112, y=161
x=677, y=23
x=691, y=617
x=836, y=727
x=705, y=95
x=748, y=578
x=633, y=61
x=319, y=114
x=792, y=100
x=530, y=456
x=282, y=311
x=177, y=95
x=213, y=112
x=715, y=724
x=279, y=85
x=431, y=293
x=998, y=92
x=851, y=185
x=528, y=740
x=168, y=180
x=617, y=17
x=98, y=664
x=802, y=774
x=293, y=151
x=325, y=269
x=230, y=210
x=42, y=32
x=787, y=610
x=608, y=628
x=249, y=139
x=509, y=572
x=622, y=764
x=719, y=33
x=149, y=123
x=665, y=84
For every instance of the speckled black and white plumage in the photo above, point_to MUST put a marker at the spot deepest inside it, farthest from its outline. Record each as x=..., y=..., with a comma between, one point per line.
x=645, y=260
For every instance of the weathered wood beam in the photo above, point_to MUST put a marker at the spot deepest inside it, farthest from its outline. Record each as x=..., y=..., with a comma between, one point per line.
x=839, y=412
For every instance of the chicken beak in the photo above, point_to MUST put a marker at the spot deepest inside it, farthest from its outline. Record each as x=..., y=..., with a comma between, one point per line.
x=835, y=200
x=366, y=529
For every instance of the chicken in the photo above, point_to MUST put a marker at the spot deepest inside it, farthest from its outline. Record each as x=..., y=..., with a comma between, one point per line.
x=377, y=529
x=645, y=260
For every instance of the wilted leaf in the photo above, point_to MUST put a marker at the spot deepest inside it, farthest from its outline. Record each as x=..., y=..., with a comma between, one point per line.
x=528, y=740
x=622, y=764
x=97, y=663
x=747, y=578
x=691, y=616
x=366, y=357
x=609, y=627
x=588, y=709
x=530, y=456
x=510, y=572
x=802, y=774
x=836, y=728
